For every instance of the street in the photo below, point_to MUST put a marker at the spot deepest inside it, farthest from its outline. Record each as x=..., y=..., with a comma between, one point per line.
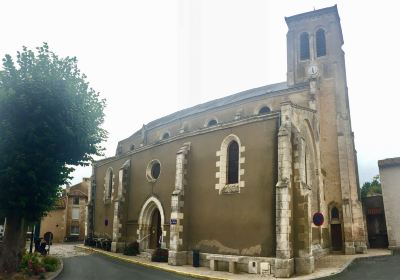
x=377, y=268
x=96, y=266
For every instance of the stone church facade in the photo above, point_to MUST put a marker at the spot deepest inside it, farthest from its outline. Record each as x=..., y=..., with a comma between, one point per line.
x=240, y=178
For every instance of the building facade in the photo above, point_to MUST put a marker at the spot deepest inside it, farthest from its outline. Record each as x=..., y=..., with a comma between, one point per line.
x=244, y=175
x=375, y=221
x=389, y=171
x=67, y=221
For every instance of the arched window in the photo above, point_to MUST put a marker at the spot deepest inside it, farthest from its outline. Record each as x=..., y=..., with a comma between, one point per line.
x=321, y=43
x=165, y=136
x=110, y=183
x=304, y=46
x=264, y=110
x=212, y=122
x=132, y=147
x=334, y=214
x=230, y=165
x=233, y=163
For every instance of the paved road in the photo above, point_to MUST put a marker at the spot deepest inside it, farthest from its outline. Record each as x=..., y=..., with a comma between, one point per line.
x=377, y=268
x=99, y=267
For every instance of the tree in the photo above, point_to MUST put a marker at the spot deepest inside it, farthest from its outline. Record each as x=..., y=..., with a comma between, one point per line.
x=371, y=188
x=50, y=120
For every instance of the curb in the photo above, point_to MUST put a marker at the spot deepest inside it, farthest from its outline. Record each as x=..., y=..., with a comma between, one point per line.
x=347, y=264
x=188, y=274
x=55, y=274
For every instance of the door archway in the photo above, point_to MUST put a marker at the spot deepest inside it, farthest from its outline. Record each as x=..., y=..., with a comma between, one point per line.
x=151, y=225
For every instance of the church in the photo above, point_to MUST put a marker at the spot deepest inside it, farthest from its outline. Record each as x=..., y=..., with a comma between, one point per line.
x=264, y=179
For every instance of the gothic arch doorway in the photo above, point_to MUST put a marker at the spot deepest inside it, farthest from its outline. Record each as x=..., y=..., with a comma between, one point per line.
x=336, y=229
x=155, y=227
x=151, y=225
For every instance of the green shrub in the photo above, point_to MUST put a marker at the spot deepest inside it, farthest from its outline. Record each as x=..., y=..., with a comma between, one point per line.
x=31, y=264
x=132, y=249
x=50, y=263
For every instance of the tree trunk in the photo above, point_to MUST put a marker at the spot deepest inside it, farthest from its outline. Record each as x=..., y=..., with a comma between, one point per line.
x=13, y=244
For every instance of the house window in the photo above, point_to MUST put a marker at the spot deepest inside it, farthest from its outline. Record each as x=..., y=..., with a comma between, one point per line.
x=75, y=200
x=132, y=147
x=304, y=46
x=75, y=214
x=321, y=43
x=233, y=163
x=264, y=110
x=74, y=230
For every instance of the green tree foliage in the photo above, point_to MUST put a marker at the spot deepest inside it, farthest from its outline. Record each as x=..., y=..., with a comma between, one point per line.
x=50, y=120
x=371, y=188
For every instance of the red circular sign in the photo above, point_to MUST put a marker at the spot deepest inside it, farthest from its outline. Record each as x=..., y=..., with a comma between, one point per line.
x=318, y=219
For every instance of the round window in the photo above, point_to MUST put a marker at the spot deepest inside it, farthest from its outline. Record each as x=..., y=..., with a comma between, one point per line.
x=153, y=170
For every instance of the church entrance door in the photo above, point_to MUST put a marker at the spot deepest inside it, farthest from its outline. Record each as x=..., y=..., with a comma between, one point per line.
x=155, y=237
x=336, y=235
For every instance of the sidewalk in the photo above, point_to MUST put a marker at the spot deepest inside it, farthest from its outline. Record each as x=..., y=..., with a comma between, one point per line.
x=325, y=266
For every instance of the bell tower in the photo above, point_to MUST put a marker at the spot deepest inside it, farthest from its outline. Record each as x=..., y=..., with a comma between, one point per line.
x=315, y=56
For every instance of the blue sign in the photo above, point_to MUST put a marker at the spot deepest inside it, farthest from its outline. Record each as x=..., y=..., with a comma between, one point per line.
x=173, y=221
x=318, y=219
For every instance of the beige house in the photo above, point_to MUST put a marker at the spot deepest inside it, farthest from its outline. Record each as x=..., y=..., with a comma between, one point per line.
x=389, y=171
x=67, y=221
x=241, y=177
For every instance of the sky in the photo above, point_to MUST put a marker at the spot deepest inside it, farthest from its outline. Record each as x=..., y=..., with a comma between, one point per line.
x=150, y=58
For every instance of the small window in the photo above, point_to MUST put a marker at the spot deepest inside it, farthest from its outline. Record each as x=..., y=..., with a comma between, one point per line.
x=264, y=110
x=75, y=200
x=165, y=136
x=334, y=214
x=132, y=147
x=75, y=213
x=153, y=170
x=304, y=46
x=212, y=122
x=74, y=230
x=233, y=163
x=321, y=43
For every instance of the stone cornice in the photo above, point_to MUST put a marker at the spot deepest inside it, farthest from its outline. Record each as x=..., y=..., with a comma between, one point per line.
x=234, y=123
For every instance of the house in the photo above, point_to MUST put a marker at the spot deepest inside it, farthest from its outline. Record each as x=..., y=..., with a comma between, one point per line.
x=66, y=222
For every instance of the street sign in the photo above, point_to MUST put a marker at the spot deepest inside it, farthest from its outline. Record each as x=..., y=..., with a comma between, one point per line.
x=318, y=219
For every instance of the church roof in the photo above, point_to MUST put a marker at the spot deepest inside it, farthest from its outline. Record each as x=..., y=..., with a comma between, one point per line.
x=312, y=14
x=251, y=93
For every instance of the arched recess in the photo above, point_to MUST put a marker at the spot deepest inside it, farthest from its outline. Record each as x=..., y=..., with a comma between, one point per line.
x=146, y=219
x=312, y=180
x=307, y=237
x=335, y=226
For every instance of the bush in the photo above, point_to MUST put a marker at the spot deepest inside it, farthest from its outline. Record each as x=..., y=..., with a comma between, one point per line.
x=160, y=255
x=132, y=249
x=31, y=264
x=50, y=263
